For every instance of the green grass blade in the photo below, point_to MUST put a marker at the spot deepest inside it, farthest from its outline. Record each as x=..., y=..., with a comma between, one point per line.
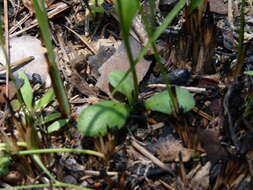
x=40, y=12
x=154, y=37
x=127, y=11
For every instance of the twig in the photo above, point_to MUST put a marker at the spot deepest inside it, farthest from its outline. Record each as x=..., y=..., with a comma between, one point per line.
x=6, y=30
x=60, y=8
x=84, y=40
x=150, y=156
x=190, y=88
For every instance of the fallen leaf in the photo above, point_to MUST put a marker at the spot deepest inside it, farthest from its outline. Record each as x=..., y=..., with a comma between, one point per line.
x=218, y=6
x=168, y=149
x=119, y=61
x=209, y=139
x=201, y=177
x=23, y=47
x=12, y=92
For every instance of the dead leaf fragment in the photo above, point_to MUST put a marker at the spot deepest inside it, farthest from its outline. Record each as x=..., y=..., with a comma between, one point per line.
x=201, y=178
x=26, y=46
x=119, y=61
x=218, y=6
x=168, y=149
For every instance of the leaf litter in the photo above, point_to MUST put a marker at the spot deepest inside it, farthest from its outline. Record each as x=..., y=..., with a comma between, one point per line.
x=207, y=148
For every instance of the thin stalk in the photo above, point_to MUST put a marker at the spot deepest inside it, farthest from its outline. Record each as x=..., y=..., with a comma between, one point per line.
x=57, y=150
x=57, y=83
x=241, y=47
x=125, y=36
x=149, y=30
x=173, y=13
x=57, y=184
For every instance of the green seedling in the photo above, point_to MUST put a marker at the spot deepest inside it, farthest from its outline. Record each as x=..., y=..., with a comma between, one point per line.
x=33, y=109
x=126, y=87
x=97, y=119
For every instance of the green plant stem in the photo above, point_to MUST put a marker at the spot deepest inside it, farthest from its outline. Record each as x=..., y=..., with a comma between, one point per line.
x=148, y=27
x=173, y=13
x=41, y=15
x=4, y=146
x=55, y=150
x=57, y=184
x=241, y=47
x=125, y=36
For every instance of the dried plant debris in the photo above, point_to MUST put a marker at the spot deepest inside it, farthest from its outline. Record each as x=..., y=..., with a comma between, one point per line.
x=26, y=46
x=168, y=149
x=119, y=61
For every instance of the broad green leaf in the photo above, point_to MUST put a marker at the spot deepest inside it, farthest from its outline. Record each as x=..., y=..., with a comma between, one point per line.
x=127, y=10
x=26, y=91
x=248, y=72
x=45, y=100
x=97, y=119
x=126, y=87
x=193, y=5
x=55, y=126
x=161, y=102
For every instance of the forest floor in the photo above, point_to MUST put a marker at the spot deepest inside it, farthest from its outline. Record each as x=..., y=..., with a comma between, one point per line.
x=209, y=147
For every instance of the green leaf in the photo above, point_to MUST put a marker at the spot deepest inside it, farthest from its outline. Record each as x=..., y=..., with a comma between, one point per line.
x=248, y=72
x=45, y=100
x=193, y=5
x=127, y=10
x=96, y=9
x=26, y=90
x=5, y=161
x=126, y=87
x=97, y=119
x=15, y=104
x=161, y=102
x=55, y=126
x=48, y=118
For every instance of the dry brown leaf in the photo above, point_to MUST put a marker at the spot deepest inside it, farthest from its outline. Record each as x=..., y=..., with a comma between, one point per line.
x=218, y=6
x=119, y=61
x=12, y=92
x=201, y=178
x=168, y=149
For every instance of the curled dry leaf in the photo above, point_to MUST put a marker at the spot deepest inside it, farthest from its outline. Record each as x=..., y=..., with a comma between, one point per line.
x=119, y=61
x=26, y=46
x=168, y=149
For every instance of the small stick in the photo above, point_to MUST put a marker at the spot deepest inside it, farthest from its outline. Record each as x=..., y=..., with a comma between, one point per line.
x=61, y=7
x=190, y=88
x=203, y=114
x=85, y=41
x=98, y=173
x=6, y=30
x=150, y=156
x=18, y=63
